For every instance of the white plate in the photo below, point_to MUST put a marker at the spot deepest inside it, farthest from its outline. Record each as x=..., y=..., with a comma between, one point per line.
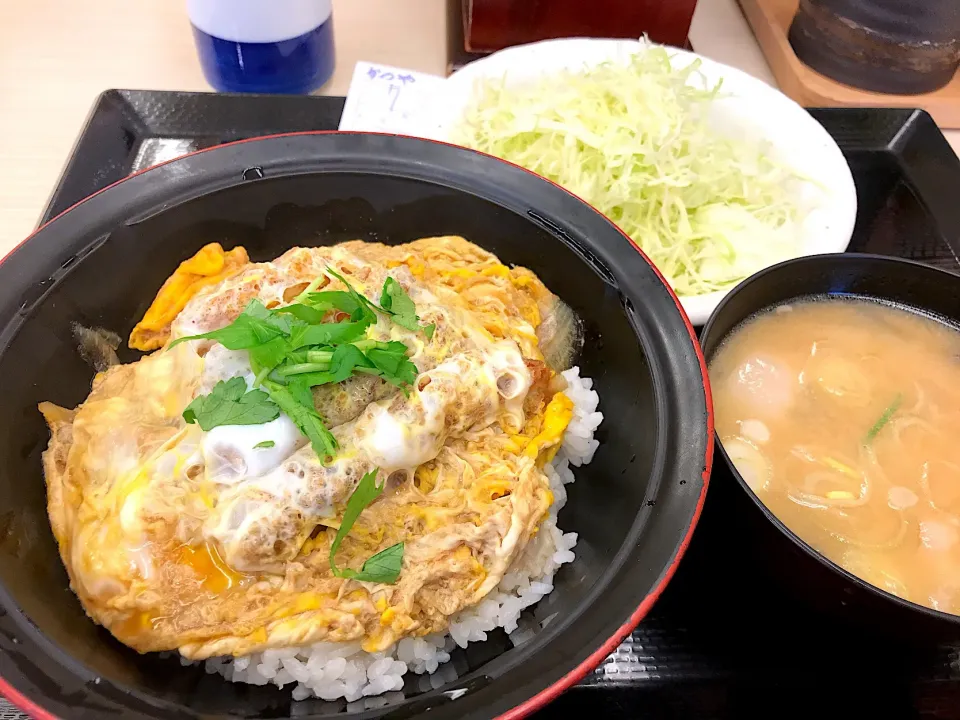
x=748, y=109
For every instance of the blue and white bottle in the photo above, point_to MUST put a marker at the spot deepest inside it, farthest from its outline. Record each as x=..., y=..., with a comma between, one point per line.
x=266, y=46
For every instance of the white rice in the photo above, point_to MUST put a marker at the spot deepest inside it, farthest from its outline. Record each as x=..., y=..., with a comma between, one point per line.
x=332, y=671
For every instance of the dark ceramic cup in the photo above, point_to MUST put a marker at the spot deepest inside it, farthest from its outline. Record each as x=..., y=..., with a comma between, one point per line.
x=891, y=46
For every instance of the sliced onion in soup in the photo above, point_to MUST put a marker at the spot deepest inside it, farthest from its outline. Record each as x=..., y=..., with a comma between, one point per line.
x=870, y=526
x=752, y=464
x=940, y=480
x=901, y=498
x=826, y=480
x=755, y=430
x=856, y=562
x=946, y=599
x=842, y=380
x=937, y=535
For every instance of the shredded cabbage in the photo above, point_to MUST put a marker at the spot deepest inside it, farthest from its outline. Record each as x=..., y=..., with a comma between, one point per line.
x=634, y=141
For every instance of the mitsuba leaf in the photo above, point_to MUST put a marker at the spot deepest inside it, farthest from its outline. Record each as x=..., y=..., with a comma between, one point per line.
x=328, y=333
x=385, y=566
x=395, y=301
x=229, y=403
x=392, y=361
x=298, y=406
x=346, y=359
x=254, y=326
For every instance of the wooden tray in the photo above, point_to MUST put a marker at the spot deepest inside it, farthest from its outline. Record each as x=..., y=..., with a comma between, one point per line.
x=770, y=20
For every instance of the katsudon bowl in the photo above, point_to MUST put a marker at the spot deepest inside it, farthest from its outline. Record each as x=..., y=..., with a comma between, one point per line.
x=100, y=263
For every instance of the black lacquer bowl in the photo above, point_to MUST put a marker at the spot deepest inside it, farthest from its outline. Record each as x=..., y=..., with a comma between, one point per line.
x=764, y=541
x=100, y=264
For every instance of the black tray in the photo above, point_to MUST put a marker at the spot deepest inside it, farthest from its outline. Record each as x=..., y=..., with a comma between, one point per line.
x=722, y=642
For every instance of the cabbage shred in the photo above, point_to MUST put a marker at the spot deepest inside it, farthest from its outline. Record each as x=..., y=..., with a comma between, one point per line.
x=633, y=140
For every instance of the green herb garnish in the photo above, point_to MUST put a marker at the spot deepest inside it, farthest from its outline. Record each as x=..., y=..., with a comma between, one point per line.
x=264, y=444
x=884, y=418
x=396, y=303
x=306, y=313
x=270, y=354
x=362, y=305
x=347, y=301
x=292, y=349
x=305, y=417
x=341, y=364
x=392, y=363
x=229, y=403
x=328, y=333
x=385, y=566
x=254, y=326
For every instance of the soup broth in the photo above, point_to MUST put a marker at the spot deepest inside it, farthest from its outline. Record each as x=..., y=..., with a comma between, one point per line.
x=843, y=416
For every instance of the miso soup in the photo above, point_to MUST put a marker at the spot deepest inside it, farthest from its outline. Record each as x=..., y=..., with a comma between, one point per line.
x=843, y=416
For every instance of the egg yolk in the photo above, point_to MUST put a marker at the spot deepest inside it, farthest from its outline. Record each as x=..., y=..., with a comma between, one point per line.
x=205, y=561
